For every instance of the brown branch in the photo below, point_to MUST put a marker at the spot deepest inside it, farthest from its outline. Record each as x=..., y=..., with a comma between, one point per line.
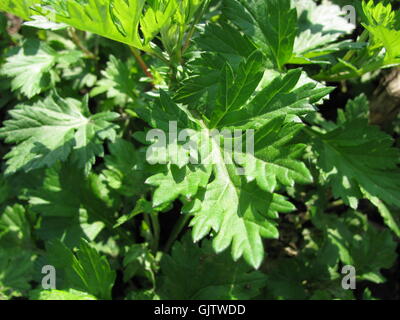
x=75, y=38
x=16, y=23
x=385, y=103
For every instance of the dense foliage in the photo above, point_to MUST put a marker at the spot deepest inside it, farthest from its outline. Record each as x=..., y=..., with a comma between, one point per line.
x=84, y=83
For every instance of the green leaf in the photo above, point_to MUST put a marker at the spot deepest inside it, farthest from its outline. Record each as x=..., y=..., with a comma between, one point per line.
x=220, y=44
x=167, y=117
x=285, y=95
x=240, y=211
x=319, y=27
x=369, y=249
x=42, y=22
x=388, y=39
x=71, y=205
x=314, y=267
x=61, y=295
x=174, y=182
x=229, y=205
x=53, y=129
x=357, y=160
x=236, y=89
x=85, y=271
x=124, y=168
x=30, y=66
x=271, y=23
x=133, y=22
x=196, y=272
x=139, y=261
x=358, y=157
x=391, y=218
x=225, y=40
x=15, y=229
x=379, y=14
x=16, y=272
x=275, y=158
x=200, y=88
x=381, y=21
x=20, y=8
x=357, y=108
x=118, y=82
x=240, y=214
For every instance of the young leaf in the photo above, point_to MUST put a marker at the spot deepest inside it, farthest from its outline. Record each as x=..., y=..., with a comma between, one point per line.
x=379, y=14
x=389, y=39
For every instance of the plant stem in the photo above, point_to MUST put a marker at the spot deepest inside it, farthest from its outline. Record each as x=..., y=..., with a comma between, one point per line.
x=311, y=132
x=142, y=64
x=193, y=26
x=178, y=227
x=362, y=38
x=75, y=38
x=160, y=57
x=150, y=237
x=156, y=230
x=335, y=204
x=188, y=38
